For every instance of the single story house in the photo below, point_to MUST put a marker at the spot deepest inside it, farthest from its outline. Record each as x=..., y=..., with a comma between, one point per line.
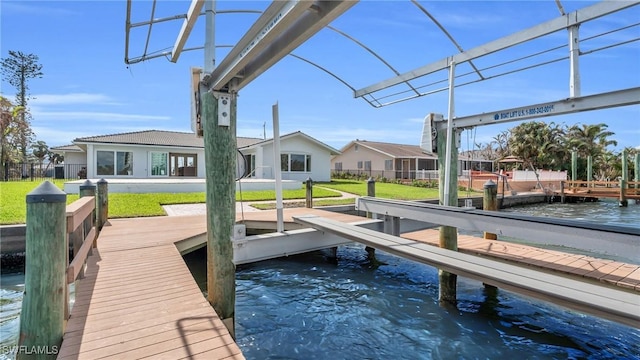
x=157, y=154
x=396, y=161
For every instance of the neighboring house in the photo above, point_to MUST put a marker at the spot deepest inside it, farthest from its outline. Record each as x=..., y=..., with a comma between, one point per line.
x=301, y=157
x=164, y=154
x=395, y=161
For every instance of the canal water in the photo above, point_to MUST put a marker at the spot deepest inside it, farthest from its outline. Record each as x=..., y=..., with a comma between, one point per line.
x=304, y=307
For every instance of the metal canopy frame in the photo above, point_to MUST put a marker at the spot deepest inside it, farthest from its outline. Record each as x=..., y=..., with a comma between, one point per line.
x=561, y=23
x=280, y=29
x=238, y=69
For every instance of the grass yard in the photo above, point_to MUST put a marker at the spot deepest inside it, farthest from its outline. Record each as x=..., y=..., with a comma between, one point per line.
x=13, y=205
x=13, y=208
x=387, y=190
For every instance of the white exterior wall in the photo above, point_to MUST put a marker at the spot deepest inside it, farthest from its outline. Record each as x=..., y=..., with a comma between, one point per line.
x=320, y=160
x=141, y=159
x=350, y=157
x=73, y=158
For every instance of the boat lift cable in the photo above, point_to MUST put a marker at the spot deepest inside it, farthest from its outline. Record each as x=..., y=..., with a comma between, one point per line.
x=372, y=53
x=435, y=21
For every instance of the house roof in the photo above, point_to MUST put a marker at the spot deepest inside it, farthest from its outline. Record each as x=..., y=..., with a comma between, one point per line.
x=158, y=138
x=67, y=148
x=332, y=150
x=393, y=150
x=402, y=150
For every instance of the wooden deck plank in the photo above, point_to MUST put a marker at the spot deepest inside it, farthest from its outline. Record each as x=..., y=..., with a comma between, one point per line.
x=148, y=337
x=139, y=298
x=597, y=269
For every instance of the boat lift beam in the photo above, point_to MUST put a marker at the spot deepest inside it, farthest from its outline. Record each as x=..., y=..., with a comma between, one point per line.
x=281, y=28
x=605, y=239
x=611, y=99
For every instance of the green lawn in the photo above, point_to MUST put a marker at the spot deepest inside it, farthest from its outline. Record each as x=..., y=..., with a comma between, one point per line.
x=387, y=190
x=13, y=207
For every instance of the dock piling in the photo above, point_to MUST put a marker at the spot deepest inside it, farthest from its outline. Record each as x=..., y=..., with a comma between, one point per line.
x=371, y=191
x=102, y=204
x=45, y=297
x=623, y=202
x=219, y=119
x=448, y=235
x=309, y=193
x=490, y=203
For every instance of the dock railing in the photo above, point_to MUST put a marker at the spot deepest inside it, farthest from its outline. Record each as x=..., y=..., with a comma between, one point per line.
x=51, y=227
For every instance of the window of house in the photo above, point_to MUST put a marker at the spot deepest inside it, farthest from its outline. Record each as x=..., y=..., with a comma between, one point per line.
x=159, y=163
x=295, y=162
x=367, y=165
x=359, y=164
x=388, y=164
x=114, y=163
x=338, y=166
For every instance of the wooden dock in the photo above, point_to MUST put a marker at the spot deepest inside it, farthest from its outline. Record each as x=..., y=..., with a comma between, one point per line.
x=601, y=190
x=139, y=300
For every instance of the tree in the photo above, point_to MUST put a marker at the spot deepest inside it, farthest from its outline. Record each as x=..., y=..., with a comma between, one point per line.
x=592, y=140
x=40, y=150
x=538, y=144
x=10, y=128
x=17, y=69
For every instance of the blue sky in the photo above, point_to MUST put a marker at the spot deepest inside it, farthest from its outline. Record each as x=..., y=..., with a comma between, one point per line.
x=88, y=90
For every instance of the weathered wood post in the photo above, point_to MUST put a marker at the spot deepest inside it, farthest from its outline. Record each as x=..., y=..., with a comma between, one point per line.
x=623, y=180
x=490, y=202
x=636, y=172
x=219, y=132
x=562, y=197
x=623, y=196
x=43, y=305
x=448, y=235
x=102, y=204
x=309, y=195
x=589, y=171
x=574, y=166
x=371, y=191
x=636, y=169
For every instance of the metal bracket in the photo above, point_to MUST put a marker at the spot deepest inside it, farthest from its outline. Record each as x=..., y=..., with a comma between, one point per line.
x=224, y=109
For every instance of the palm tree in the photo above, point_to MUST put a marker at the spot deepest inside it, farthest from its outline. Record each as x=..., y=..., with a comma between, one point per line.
x=40, y=150
x=592, y=140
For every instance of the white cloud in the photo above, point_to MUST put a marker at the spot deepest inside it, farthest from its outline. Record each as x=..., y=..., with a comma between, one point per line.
x=71, y=98
x=95, y=116
x=55, y=137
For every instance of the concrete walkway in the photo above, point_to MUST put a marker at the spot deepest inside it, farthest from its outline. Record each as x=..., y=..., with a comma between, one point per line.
x=245, y=206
